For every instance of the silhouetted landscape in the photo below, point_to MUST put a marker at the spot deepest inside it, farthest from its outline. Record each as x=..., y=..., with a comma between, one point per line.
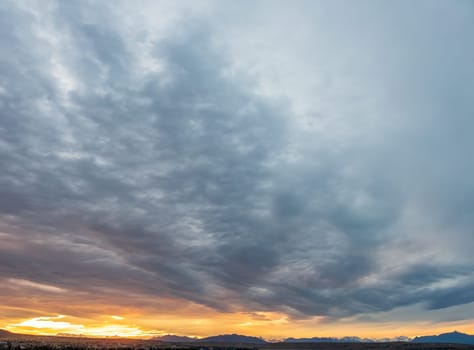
x=13, y=341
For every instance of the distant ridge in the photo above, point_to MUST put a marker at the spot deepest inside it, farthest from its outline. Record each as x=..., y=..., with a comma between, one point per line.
x=329, y=340
x=170, y=338
x=453, y=338
x=223, y=338
x=70, y=335
x=347, y=339
x=4, y=333
x=444, y=338
x=232, y=338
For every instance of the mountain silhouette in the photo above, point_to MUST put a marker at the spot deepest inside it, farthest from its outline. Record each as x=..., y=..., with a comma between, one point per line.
x=4, y=333
x=328, y=340
x=453, y=337
x=445, y=338
x=232, y=338
x=170, y=338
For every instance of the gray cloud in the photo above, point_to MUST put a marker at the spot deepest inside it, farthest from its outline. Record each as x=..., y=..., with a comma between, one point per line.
x=150, y=162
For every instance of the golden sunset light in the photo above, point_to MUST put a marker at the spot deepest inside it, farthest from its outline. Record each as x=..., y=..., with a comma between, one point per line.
x=270, y=325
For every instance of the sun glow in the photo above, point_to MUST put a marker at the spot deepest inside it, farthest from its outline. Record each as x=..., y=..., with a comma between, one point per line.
x=55, y=325
x=129, y=323
x=47, y=323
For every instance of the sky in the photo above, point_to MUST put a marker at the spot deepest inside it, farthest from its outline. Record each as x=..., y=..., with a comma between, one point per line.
x=271, y=168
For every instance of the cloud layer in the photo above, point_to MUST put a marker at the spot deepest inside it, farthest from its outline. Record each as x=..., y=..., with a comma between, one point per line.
x=306, y=158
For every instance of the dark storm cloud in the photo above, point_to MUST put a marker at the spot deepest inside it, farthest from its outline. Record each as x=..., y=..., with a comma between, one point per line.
x=184, y=182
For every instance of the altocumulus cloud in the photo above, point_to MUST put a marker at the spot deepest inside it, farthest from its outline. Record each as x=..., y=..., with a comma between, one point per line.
x=176, y=151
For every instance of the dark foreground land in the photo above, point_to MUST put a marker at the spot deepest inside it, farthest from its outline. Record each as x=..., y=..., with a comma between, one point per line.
x=25, y=342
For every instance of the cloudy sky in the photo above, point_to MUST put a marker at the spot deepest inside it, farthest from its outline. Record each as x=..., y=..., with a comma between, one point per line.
x=271, y=168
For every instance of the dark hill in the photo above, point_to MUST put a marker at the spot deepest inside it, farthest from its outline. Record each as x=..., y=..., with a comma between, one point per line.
x=170, y=338
x=328, y=340
x=452, y=338
x=232, y=339
x=4, y=333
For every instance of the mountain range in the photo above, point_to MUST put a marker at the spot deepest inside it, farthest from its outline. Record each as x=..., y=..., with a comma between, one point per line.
x=224, y=338
x=329, y=340
x=346, y=340
x=171, y=338
x=445, y=338
x=453, y=338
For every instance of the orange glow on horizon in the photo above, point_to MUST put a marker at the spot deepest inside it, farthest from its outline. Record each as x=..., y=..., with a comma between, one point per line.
x=39, y=309
x=269, y=325
x=59, y=325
